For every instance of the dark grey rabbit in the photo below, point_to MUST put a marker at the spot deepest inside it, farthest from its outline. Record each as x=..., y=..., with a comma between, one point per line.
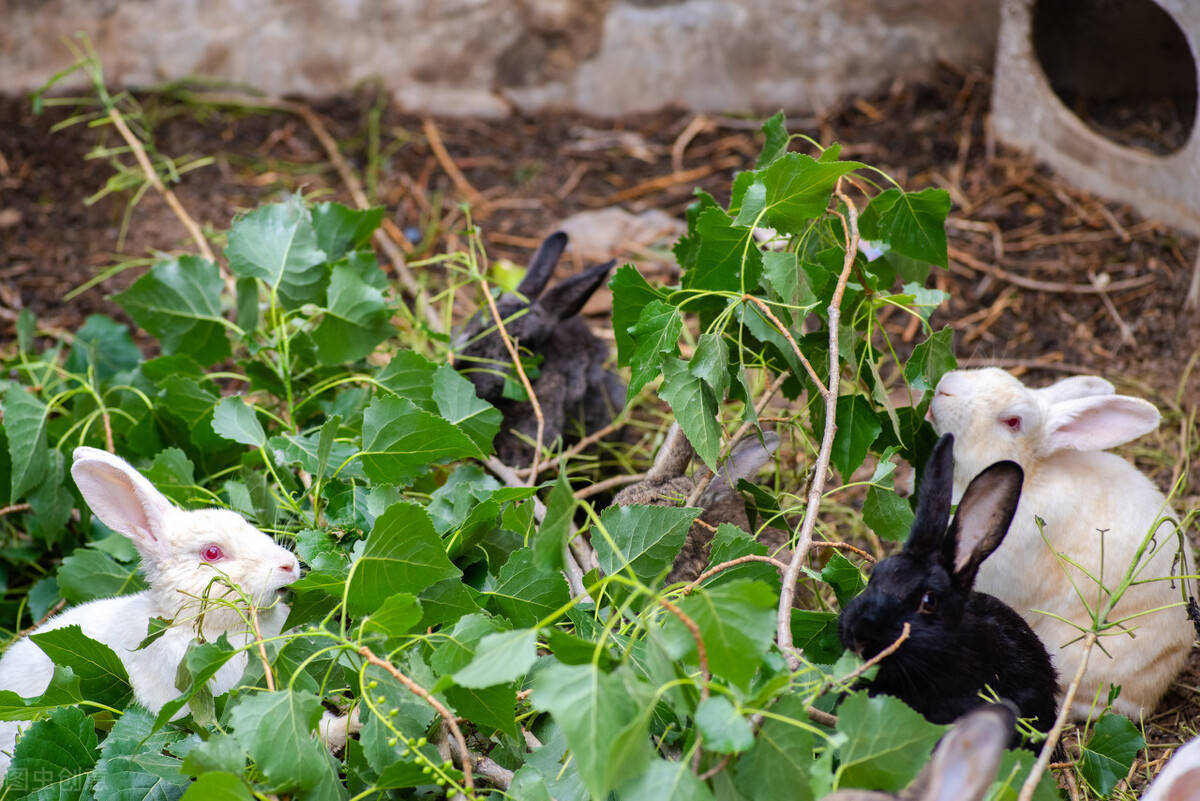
x=667, y=484
x=574, y=390
x=960, y=640
x=964, y=765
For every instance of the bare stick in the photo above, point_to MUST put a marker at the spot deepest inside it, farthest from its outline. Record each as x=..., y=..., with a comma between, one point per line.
x=262, y=649
x=428, y=698
x=14, y=508
x=1055, y=732
x=487, y=768
x=824, y=718
x=139, y=152
x=516, y=359
x=879, y=657
x=844, y=546
x=701, y=656
x=788, y=335
x=741, y=560
x=703, y=483
x=829, y=394
x=607, y=484
x=434, y=137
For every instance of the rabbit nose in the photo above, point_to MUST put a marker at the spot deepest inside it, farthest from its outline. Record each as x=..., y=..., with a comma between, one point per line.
x=291, y=567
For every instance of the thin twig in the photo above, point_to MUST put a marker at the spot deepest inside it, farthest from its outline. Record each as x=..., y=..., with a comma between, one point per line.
x=579, y=446
x=262, y=649
x=967, y=260
x=427, y=697
x=702, y=657
x=607, y=484
x=741, y=560
x=788, y=335
x=496, y=774
x=434, y=137
x=516, y=359
x=879, y=657
x=829, y=394
x=1055, y=732
x=51, y=612
x=139, y=152
x=824, y=718
x=14, y=508
x=844, y=546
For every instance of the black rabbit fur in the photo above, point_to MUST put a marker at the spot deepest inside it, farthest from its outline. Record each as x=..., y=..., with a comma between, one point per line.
x=577, y=395
x=960, y=640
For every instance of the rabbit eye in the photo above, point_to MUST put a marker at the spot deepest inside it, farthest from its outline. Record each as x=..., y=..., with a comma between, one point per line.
x=212, y=553
x=1013, y=423
x=928, y=604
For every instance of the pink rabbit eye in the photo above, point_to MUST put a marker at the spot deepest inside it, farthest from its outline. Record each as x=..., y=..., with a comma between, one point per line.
x=1013, y=423
x=212, y=553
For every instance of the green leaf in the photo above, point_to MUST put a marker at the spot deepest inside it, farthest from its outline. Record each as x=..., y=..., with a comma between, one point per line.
x=63, y=690
x=631, y=293
x=1110, y=752
x=656, y=332
x=200, y=663
x=605, y=718
x=665, y=781
x=396, y=616
x=25, y=423
x=886, y=742
x=500, y=658
x=646, y=538
x=779, y=763
x=105, y=346
x=355, y=319
x=710, y=363
x=782, y=271
x=178, y=302
x=402, y=554
x=277, y=245
x=775, y=137
x=493, y=705
x=551, y=536
x=695, y=408
x=447, y=601
x=276, y=728
x=102, y=677
x=524, y=593
x=457, y=402
x=235, y=421
x=931, y=360
x=725, y=731
x=857, y=428
x=1014, y=769
x=817, y=633
x=845, y=578
x=887, y=514
x=133, y=764
x=912, y=223
x=798, y=189
x=218, y=787
x=53, y=759
x=728, y=258
x=89, y=573
x=400, y=441
x=340, y=229
x=737, y=623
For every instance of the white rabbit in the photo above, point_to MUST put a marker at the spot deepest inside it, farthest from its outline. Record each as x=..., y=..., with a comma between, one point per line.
x=964, y=765
x=1058, y=435
x=1180, y=779
x=182, y=551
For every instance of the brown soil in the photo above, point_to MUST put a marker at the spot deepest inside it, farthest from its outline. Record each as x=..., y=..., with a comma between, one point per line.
x=1027, y=250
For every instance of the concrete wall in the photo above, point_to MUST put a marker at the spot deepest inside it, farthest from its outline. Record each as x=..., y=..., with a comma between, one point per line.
x=490, y=56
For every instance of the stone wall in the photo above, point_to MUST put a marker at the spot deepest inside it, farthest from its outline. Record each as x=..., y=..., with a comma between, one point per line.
x=607, y=57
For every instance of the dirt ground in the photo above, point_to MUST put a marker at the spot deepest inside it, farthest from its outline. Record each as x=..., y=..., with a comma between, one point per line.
x=1027, y=250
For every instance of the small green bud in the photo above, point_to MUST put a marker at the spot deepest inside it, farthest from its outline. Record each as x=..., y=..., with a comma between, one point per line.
x=381, y=699
x=392, y=742
x=422, y=742
x=427, y=770
x=453, y=791
x=371, y=685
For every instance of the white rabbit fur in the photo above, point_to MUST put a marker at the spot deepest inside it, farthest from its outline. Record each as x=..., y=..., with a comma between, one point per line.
x=170, y=541
x=1180, y=779
x=1057, y=435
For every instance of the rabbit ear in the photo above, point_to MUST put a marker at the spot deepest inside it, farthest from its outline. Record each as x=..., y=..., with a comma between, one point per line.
x=673, y=457
x=1098, y=423
x=747, y=458
x=123, y=499
x=859, y=795
x=567, y=297
x=983, y=517
x=933, y=503
x=1078, y=386
x=542, y=265
x=1180, y=779
x=966, y=760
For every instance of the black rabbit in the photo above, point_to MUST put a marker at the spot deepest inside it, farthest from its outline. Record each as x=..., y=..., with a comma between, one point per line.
x=960, y=640
x=574, y=390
